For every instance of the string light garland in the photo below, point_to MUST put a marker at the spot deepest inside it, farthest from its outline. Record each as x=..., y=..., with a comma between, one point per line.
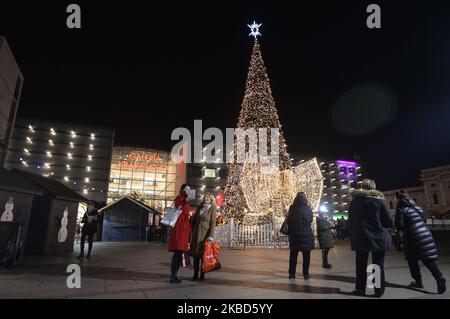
x=254, y=192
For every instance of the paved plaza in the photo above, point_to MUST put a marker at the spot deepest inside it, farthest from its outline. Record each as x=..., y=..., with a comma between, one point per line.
x=141, y=270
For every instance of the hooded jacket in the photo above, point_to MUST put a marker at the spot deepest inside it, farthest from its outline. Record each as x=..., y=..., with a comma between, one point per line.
x=300, y=217
x=417, y=238
x=368, y=221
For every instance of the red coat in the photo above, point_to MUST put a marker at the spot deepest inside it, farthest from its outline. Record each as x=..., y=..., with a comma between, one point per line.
x=179, y=235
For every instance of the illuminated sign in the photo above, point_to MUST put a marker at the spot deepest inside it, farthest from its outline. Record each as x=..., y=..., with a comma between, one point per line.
x=144, y=161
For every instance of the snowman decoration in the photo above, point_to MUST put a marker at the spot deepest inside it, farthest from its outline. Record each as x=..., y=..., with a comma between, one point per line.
x=8, y=215
x=62, y=233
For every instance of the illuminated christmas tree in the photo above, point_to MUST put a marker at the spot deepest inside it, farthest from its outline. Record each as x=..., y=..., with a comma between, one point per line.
x=258, y=193
x=258, y=111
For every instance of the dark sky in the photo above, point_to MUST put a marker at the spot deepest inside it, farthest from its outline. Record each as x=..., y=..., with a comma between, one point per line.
x=341, y=89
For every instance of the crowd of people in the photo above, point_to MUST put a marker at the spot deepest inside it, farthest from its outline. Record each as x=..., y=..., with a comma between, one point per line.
x=368, y=226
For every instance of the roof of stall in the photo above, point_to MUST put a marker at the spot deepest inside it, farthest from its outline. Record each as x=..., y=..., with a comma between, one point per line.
x=57, y=189
x=13, y=182
x=139, y=203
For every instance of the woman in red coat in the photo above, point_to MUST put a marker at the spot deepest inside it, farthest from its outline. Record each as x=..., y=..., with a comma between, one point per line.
x=179, y=235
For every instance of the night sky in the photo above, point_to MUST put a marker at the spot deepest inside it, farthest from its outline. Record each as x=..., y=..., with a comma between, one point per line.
x=341, y=89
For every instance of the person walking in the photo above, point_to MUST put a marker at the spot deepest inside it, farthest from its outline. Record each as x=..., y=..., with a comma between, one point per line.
x=325, y=234
x=301, y=238
x=418, y=241
x=203, y=226
x=89, y=221
x=179, y=235
x=368, y=222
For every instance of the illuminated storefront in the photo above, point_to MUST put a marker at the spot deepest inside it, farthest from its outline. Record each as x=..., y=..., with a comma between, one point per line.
x=144, y=174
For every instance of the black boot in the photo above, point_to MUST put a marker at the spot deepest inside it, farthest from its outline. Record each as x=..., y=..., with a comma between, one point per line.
x=174, y=280
x=202, y=276
x=441, y=286
x=416, y=284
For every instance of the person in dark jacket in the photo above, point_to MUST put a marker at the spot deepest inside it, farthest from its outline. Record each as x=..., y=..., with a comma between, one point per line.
x=368, y=222
x=417, y=240
x=326, y=242
x=89, y=221
x=300, y=217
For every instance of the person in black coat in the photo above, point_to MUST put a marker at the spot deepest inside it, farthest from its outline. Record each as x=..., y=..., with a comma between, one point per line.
x=368, y=222
x=300, y=217
x=89, y=221
x=418, y=241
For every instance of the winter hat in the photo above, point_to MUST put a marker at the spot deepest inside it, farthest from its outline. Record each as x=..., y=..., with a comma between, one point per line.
x=368, y=184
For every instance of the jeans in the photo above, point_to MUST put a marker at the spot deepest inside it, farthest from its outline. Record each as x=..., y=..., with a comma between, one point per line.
x=176, y=262
x=414, y=268
x=362, y=258
x=325, y=256
x=90, y=237
x=293, y=262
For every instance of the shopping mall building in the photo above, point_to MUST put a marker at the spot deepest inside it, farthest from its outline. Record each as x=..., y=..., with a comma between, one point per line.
x=151, y=176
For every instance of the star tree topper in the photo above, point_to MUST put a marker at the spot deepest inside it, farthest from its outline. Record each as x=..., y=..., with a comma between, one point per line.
x=254, y=29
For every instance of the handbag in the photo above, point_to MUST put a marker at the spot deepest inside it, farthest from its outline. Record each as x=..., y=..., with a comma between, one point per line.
x=211, y=257
x=285, y=227
x=171, y=217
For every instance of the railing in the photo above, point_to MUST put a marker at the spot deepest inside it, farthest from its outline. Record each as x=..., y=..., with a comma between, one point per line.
x=439, y=223
x=236, y=235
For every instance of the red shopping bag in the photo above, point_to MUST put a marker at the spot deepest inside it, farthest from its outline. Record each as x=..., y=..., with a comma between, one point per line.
x=211, y=257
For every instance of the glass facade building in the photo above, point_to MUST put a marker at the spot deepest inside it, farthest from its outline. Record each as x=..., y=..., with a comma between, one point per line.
x=145, y=174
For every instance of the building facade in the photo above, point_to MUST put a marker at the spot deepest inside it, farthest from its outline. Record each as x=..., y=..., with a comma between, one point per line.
x=207, y=178
x=340, y=178
x=11, y=81
x=434, y=194
x=145, y=174
x=417, y=193
x=78, y=156
x=436, y=185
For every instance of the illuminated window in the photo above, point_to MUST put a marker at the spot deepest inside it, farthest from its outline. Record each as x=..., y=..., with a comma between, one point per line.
x=69, y=155
x=92, y=136
x=29, y=141
x=86, y=179
x=49, y=154
x=91, y=147
x=68, y=167
x=209, y=173
x=72, y=145
x=88, y=168
x=51, y=143
x=89, y=157
x=73, y=134
x=52, y=131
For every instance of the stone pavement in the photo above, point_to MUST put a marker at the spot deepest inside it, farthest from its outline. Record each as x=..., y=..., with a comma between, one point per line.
x=141, y=270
